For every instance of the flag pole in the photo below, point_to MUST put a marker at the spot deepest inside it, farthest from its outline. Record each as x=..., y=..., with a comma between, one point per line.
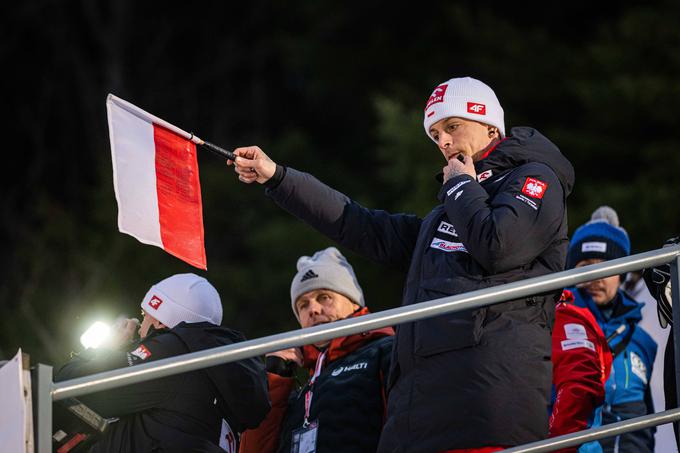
x=146, y=116
x=214, y=148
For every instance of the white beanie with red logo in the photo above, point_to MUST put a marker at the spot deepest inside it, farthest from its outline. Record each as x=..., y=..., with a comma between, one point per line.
x=467, y=98
x=183, y=297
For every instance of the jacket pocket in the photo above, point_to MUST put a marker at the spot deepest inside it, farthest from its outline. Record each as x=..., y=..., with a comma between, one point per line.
x=446, y=332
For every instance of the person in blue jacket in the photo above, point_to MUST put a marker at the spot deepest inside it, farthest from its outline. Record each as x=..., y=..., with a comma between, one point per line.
x=627, y=392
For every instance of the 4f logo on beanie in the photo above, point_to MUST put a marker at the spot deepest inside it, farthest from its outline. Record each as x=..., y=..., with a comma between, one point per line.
x=155, y=302
x=474, y=107
x=534, y=188
x=309, y=274
x=437, y=95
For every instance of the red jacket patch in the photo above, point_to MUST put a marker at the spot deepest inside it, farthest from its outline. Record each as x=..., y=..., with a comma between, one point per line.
x=534, y=188
x=142, y=352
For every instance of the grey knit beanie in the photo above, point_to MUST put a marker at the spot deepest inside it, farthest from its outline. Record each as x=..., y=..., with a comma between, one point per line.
x=326, y=269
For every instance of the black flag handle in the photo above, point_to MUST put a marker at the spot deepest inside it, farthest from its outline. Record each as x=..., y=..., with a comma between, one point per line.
x=218, y=150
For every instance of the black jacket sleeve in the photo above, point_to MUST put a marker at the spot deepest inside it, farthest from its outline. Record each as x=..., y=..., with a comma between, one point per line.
x=127, y=399
x=516, y=225
x=383, y=237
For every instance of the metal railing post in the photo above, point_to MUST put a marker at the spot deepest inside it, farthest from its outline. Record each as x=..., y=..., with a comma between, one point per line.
x=675, y=286
x=42, y=415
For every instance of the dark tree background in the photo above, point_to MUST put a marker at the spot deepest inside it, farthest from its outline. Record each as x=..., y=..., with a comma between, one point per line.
x=334, y=88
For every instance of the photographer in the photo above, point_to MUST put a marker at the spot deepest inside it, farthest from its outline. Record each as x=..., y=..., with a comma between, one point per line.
x=203, y=410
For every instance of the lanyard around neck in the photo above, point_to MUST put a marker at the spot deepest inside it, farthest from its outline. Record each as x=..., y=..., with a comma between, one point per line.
x=310, y=392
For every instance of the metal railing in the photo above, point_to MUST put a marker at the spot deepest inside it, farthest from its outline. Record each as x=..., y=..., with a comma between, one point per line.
x=48, y=391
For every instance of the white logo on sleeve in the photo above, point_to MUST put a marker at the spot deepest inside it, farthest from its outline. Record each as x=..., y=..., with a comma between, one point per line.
x=447, y=246
x=575, y=332
x=456, y=187
x=484, y=175
x=637, y=366
x=573, y=344
x=227, y=438
x=458, y=195
x=528, y=201
x=357, y=366
x=594, y=247
x=447, y=228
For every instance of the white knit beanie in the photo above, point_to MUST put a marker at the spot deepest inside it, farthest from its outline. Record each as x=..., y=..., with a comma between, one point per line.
x=183, y=297
x=327, y=269
x=467, y=98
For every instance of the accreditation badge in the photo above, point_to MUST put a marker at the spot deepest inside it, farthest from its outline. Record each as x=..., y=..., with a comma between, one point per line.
x=304, y=438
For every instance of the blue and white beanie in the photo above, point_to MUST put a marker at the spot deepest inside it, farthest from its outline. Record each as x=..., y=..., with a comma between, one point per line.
x=601, y=237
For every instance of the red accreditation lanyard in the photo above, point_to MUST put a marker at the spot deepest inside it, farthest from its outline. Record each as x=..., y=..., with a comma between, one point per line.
x=310, y=392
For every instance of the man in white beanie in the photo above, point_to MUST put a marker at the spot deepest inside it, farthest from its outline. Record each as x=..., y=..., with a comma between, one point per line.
x=477, y=379
x=341, y=407
x=202, y=410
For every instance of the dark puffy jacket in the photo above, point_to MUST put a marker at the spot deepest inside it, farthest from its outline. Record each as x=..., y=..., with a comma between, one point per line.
x=349, y=398
x=194, y=411
x=479, y=377
x=627, y=393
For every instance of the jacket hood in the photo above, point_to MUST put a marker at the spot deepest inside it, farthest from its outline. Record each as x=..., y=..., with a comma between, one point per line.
x=232, y=380
x=340, y=347
x=525, y=145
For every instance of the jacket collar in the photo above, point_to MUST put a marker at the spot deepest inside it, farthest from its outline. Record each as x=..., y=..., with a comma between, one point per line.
x=526, y=145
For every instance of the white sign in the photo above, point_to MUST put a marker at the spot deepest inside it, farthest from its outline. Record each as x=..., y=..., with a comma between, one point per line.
x=13, y=410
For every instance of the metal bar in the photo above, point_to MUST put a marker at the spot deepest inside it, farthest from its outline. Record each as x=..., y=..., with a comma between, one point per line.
x=300, y=337
x=601, y=432
x=42, y=414
x=675, y=288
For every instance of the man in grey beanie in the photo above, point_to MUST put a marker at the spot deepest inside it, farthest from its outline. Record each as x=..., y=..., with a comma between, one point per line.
x=341, y=406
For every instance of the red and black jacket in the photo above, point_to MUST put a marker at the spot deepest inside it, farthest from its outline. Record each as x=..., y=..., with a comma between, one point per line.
x=581, y=365
x=349, y=397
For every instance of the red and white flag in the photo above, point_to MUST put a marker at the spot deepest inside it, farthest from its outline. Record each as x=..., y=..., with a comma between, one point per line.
x=155, y=177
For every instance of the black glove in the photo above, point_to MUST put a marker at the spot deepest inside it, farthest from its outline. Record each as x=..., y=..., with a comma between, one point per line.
x=658, y=281
x=279, y=366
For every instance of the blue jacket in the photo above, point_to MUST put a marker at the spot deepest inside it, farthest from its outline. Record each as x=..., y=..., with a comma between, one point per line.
x=627, y=389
